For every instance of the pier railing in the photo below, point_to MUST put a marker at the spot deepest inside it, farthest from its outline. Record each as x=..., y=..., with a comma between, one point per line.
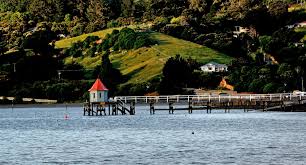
x=213, y=98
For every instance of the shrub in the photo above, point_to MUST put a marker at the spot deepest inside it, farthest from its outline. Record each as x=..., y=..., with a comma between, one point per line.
x=270, y=88
x=91, y=52
x=175, y=20
x=89, y=40
x=161, y=20
x=77, y=30
x=143, y=40
x=112, y=24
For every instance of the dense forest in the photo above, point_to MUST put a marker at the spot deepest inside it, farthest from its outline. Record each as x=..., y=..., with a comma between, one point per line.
x=269, y=57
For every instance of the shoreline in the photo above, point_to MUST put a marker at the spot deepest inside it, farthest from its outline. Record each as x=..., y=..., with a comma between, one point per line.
x=6, y=106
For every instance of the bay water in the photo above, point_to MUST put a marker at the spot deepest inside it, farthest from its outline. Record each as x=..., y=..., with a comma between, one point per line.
x=45, y=136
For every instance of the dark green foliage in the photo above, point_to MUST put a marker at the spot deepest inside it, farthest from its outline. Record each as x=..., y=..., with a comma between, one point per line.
x=177, y=74
x=89, y=40
x=91, y=52
x=2, y=43
x=73, y=71
x=39, y=40
x=126, y=39
x=75, y=50
x=112, y=24
x=89, y=45
x=33, y=68
x=271, y=88
x=78, y=29
x=111, y=76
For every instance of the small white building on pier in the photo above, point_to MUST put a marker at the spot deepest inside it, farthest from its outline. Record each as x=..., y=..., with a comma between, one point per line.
x=98, y=92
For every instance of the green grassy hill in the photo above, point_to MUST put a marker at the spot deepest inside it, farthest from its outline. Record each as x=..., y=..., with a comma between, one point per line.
x=64, y=43
x=146, y=63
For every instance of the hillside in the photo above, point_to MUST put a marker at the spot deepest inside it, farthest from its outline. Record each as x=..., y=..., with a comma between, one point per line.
x=146, y=63
x=64, y=43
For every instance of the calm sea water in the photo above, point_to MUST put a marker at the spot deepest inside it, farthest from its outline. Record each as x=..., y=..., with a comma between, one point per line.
x=43, y=136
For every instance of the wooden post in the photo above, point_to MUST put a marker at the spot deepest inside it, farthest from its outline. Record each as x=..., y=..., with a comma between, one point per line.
x=84, y=106
x=171, y=108
x=97, y=109
x=114, y=109
x=189, y=107
x=132, y=108
x=152, y=110
x=210, y=108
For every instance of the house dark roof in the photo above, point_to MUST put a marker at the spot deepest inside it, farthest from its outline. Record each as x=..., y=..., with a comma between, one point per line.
x=98, y=86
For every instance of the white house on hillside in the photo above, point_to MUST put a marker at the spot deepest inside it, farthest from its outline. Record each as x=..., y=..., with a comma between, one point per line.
x=301, y=24
x=239, y=30
x=214, y=67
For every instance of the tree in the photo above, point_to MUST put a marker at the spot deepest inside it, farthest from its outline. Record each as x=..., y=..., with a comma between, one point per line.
x=265, y=42
x=47, y=10
x=177, y=73
x=197, y=5
x=40, y=40
x=279, y=12
x=2, y=43
x=258, y=18
x=110, y=75
x=236, y=9
x=287, y=75
x=98, y=13
x=127, y=8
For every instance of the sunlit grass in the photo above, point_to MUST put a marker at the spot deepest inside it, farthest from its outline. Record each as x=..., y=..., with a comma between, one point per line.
x=297, y=7
x=302, y=30
x=64, y=43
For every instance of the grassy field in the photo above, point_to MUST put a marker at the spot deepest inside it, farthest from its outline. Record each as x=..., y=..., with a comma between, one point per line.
x=64, y=43
x=146, y=63
x=297, y=7
x=67, y=42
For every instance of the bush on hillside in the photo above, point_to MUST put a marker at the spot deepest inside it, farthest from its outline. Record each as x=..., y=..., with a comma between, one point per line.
x=77, y=30
x=112, y=24
x=126, y=39
x=89, y=40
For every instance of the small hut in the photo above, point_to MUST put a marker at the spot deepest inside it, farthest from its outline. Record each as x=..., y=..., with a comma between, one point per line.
x=98, y=92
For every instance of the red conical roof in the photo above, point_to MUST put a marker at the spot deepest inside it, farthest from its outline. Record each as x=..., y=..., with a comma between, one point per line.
x=98, y=86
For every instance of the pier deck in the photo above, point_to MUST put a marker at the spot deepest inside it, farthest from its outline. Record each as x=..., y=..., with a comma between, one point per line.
x=263, y=102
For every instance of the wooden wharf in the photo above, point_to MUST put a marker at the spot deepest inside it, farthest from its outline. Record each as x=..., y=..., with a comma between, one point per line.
x=247, y=102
